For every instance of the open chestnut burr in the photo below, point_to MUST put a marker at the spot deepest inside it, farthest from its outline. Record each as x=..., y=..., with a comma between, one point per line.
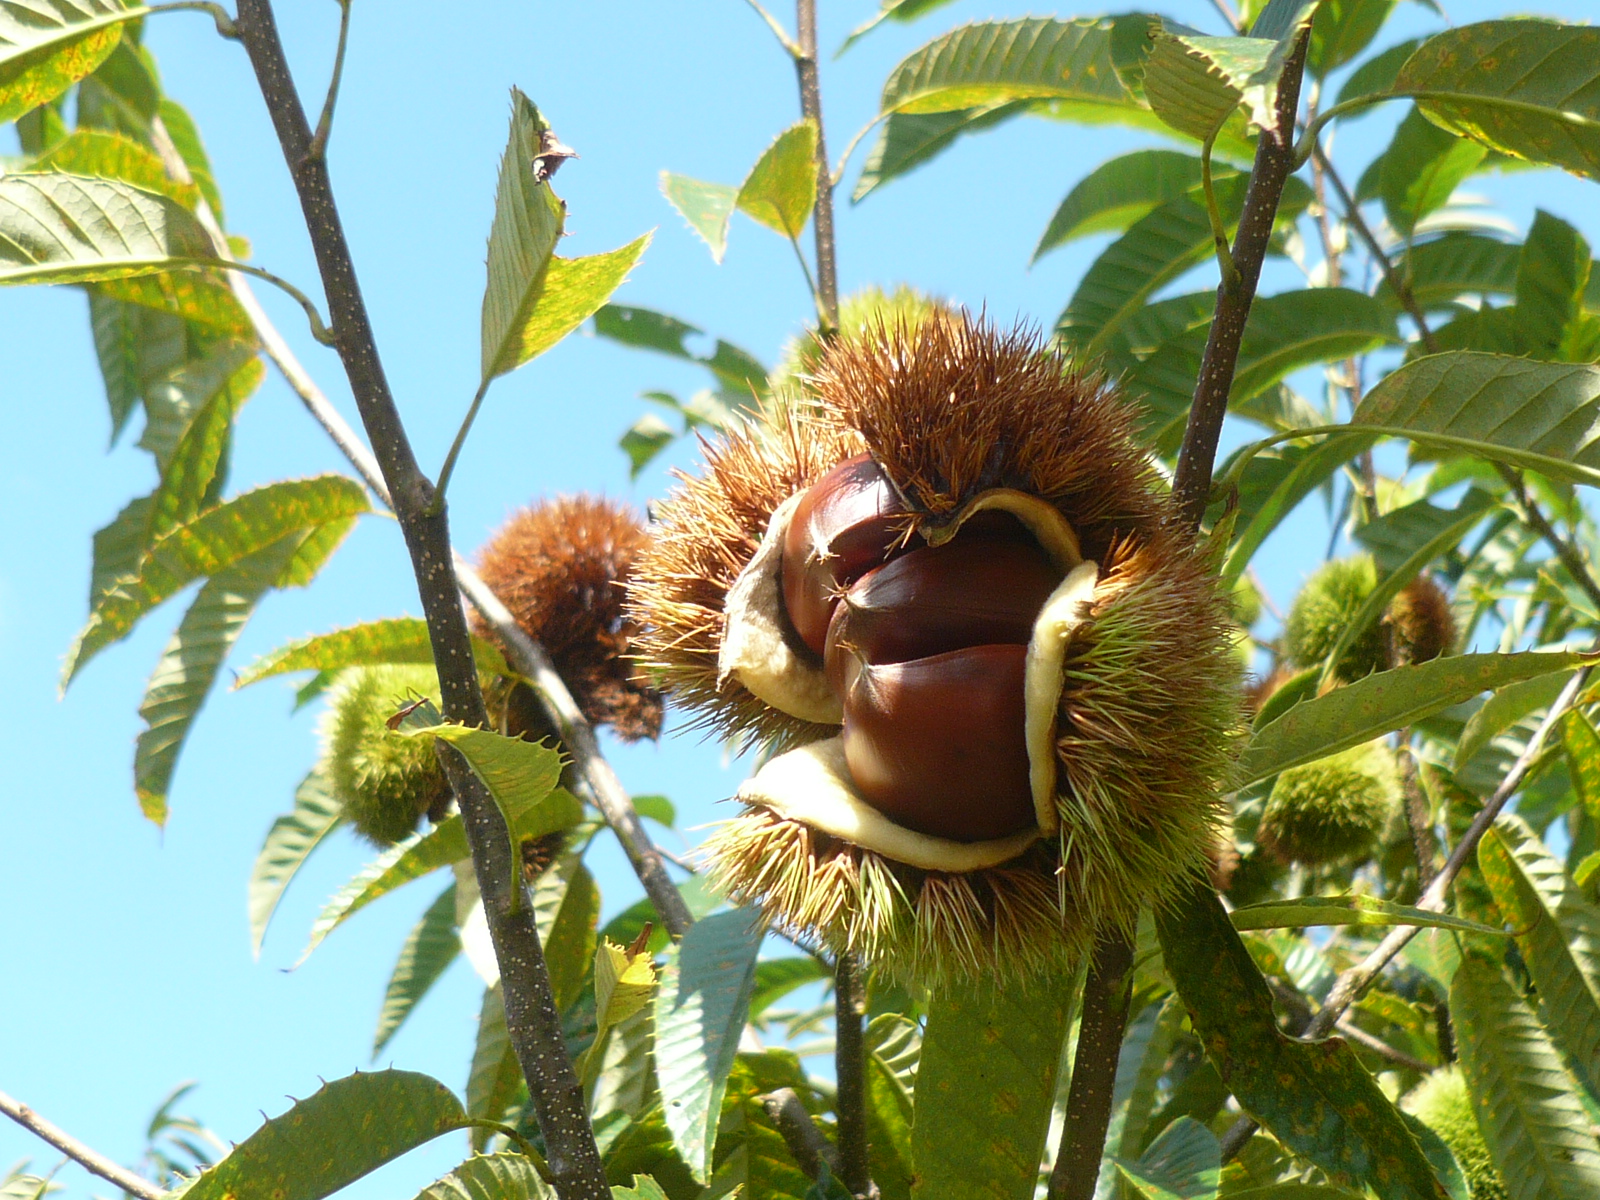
x=941, y=587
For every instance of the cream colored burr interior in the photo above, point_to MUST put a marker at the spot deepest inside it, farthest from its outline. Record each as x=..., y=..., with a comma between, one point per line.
x=1044, y=675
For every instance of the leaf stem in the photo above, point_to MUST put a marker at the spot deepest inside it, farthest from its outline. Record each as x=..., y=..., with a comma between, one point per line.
x=850, y=147
x=449, y=468
x=805, y=269
x=1191, y=485
x=90, y=1160
x=319, y=329
x=805, y=65
x=532, y=1020
x=1571, y=557
x=1219, y=232
x=778, y=31
x=223, y=19
x=319, y=139
x=1106, y=992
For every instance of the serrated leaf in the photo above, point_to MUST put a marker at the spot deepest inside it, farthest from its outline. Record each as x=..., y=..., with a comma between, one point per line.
x=1439, y=271
x=1541, y=416
x=1503, y=710
x=907, y=140
x=993, y=62
x=1184, y=1163
x=1314, y=1097
x=1558, y=932
x=1189, y=83
x=1347, y=910
x=1375, y=75
x=1117, y=193
x=349, y=1128
x=425, y=955
x=895, y=10
x=566, y=905
x=623, y=1077
x=564, y=296
x=705, y=206
x=644, y=1188
x=51, y=44
x=111, y=155
x=172, y=401
x=528, y=220
x=1552, y=275
x=985, y=1084
x=1525, y=88
x=738, y=373
x=289, y=843
x=1538, y=1134
x=190, y=662
x=1341, y=30
x=699, y=1014
x=1581, y=741
x=214, y=542
x=781, y=189
x=1383, y=702
x=503, y=1176
x=495, y=1076
x=132, y=343
x=391, y=640
x=1397, y=536
x=191, y=469
x=186, y=139
x=1421, y=170
x=622, y=985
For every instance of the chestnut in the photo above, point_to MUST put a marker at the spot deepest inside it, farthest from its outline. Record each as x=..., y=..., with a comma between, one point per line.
x=937, y=745
x=848, y=522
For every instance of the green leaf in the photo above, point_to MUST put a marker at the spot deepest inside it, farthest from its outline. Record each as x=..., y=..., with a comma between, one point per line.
x=1194, y=83
x=1142, y=1060
x=1375, y=75
x=186, y=139
x=1383, y=702
x=990, y=63
x=1346, y=910
x=781, y=189
x=1537, y=1131
x=190, y=662
x=563, y=297
x=1453, y=265
x=1421, y=170
x=1184, y=1163
x=1524, y=88
x=59, y=228
x=1541, y=416
x=349, y=1128
x=502, y=1176
x=528, y=220
x=705, y=206
x=212, y=543
x=191, y=469
x=429, y=949
x=985, y=1084
x=392, y=640
x=739, y=374
x=699, y=1014
x=777, y=977
x=644, y=1188
x=51, y=44
x=1117, y=193
x=907, y=140
x=566, y=903
x=418, y=855
x=1399, y=535
x=645, y=438
x=289, y=843
x=895, y=10
x=1314, y=1097
x=521, y=776
x=656, y=808
x=1341, y=30
x=1557, y=931
x=495, y=1076
x=1503, y=710
x=624, y=1078
x=133, y=344
x=1581, y=741
x=1552, y=275
x=110, y=155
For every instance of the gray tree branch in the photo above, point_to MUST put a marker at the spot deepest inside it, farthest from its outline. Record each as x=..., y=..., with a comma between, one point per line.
x=90, y=1160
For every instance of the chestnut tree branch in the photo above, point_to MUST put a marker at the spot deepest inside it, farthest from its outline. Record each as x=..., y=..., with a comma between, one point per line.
x=850, y=1058
x=89, y=1160
x=810, y=1146
x=532, y=1021
x=529, y=659
x=1106, y=992
x=1274, y=163
x=805, y=65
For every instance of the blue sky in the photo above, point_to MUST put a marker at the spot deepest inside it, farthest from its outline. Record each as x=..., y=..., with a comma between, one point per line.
x=127, y=961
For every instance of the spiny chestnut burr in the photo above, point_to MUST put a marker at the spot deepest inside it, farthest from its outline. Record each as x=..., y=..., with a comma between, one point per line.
x=940, y=584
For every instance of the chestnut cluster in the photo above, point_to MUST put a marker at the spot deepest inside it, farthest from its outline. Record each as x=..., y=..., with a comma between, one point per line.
x=925, y=646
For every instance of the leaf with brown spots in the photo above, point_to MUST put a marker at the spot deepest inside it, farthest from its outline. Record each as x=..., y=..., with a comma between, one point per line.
x=349, y=1128
x=1314, y=1097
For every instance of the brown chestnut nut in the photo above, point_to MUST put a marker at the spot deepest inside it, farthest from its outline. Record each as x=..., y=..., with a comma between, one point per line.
x=936, y=744
x=849, y=522
x=972, y=591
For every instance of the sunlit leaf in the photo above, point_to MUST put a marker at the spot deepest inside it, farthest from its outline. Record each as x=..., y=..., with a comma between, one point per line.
x=114, y=156
x=1117, y=193
x=705, y=206
x=1383, y=702
x=348, y=1128
x=51, y=44
x=738, y=373
x=429, y=949
x=390, y=640
x=1421, y=170
x=1503, y=710
x=1307, y=911
x=1375, y=75
x=1184, y=1163
x=289, y=843
x=892, y=10
x=907, y=140
x=1341, y=30
x=781, y=188
x=503, y=1176
x=1552, y=275
x=566, y=905
x=1439, y=271
x=1581, y=741
x=699, y=1013
x=186, y=139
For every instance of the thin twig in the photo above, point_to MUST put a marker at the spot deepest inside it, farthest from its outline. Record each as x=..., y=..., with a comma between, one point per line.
x=532, y=1020
x=527, y=657
x=805, y=65
x=1571, y=557
x=809, y=1145
x=319, y=139
x=1106, y=991
x=95, y=1163
x=850, y=1069
x=1378, y=1046
x=1274, y=162
x=778, y=31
